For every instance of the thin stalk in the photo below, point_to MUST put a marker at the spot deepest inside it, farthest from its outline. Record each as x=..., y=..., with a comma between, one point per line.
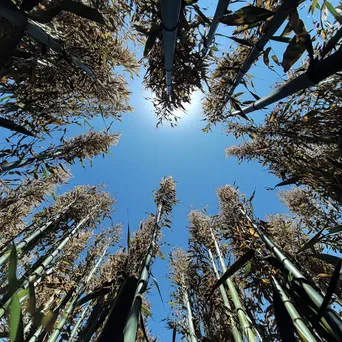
x=131, y=327
x=236, y=334
x=220, y=10
x=298, y=323
x=272, y=27
x=170, y=11
x=186, y=301
x=242, y=316
x=315, y=74
x=315, y=296
x=35, y=234
x=71, y=307
x=45, y=155
x=78, y=323
x=42, y=267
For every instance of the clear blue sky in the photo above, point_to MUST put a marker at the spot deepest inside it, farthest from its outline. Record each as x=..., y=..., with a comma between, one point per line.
x=196, y=161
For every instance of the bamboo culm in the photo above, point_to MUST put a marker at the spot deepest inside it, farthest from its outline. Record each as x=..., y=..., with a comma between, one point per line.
x=131, y=327
x=242, y=316
x=298, y=323
x=315, y=296
x=235, y=331
x=47, y=261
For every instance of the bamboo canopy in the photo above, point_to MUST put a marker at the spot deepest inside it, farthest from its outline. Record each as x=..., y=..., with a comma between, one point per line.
x=220, y=10
x=170, y=11
x=315, y=74
x=272, y=27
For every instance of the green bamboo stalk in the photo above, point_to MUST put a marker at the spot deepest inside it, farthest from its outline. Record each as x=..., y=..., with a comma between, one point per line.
x=170, y=11
x=316, y=297
x=317, y=73
x=131, y=327
x=272, y=27
x=43, y=266
x=35, y=234
x=71, y=307
x=236, y=334
x=298, y=323
x=242, y=316
x=220, y=10
x=78, y=323
x=186, y=302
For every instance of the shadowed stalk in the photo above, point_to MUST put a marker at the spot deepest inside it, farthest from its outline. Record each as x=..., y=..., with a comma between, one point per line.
x=242, y=316
x=133, y=318
x=78, y=323
x=35, y=234
x=220, y=11
x=317, y=73
x=235, y=330
x=315, y=296
x=71, y=307
x=303, y=332
x=42, y=267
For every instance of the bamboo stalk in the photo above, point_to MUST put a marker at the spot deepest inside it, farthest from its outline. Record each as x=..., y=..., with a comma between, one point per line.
x=235, y=330
x=78, y=323
x=35, y=234
x=131, y=327
x=43, y=266
x=242, y=316
x=186, y=302
x=170, y=11
x=220, y=10
x=297, y=321
x=272, y=27
x=315, y=74
x=316, y=297
x=71, y=307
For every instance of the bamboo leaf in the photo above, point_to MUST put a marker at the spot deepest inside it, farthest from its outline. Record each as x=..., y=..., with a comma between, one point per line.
x=241, y=41
x=152, y=36
x=8, y=124
x=330, y=259
x=333, y=11
x=16, y=324
x=246, y=16
x=142, y=325
x=157, y=286
x=293, y=52
x=316, y=238
x=281, y=39
x=128, y=238
x=330, y=290
x=283, y=319
x=82, y=11
x=265, y=56
x=12, y=269
x=95, y=294
x=238, y=264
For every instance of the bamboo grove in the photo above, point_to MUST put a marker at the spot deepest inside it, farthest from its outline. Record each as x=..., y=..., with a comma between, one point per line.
x=64, y=274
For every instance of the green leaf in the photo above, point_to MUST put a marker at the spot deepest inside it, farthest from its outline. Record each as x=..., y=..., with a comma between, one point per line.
x=241, y=41
x=248, y=268
x=23, y=293
x=313, y=6
x=246, y=16
x=293, y=52
x=330, y=290
x=12, y=269
x=316, y=238
x=16, y=322
x=265, y=56
x=281, y=39
x=157, y=286
x=152, y=36
x=8, y=124
x=128, y=237
x=333, y=11
x=214, y=48
x=142, y=325
x=82, y=11
x=330, y=259
x=238, y=264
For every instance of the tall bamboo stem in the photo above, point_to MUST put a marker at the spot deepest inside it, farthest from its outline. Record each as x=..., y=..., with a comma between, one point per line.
x=78, y=323
x=235, y=330
x=131, y=327
x=242, y=316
